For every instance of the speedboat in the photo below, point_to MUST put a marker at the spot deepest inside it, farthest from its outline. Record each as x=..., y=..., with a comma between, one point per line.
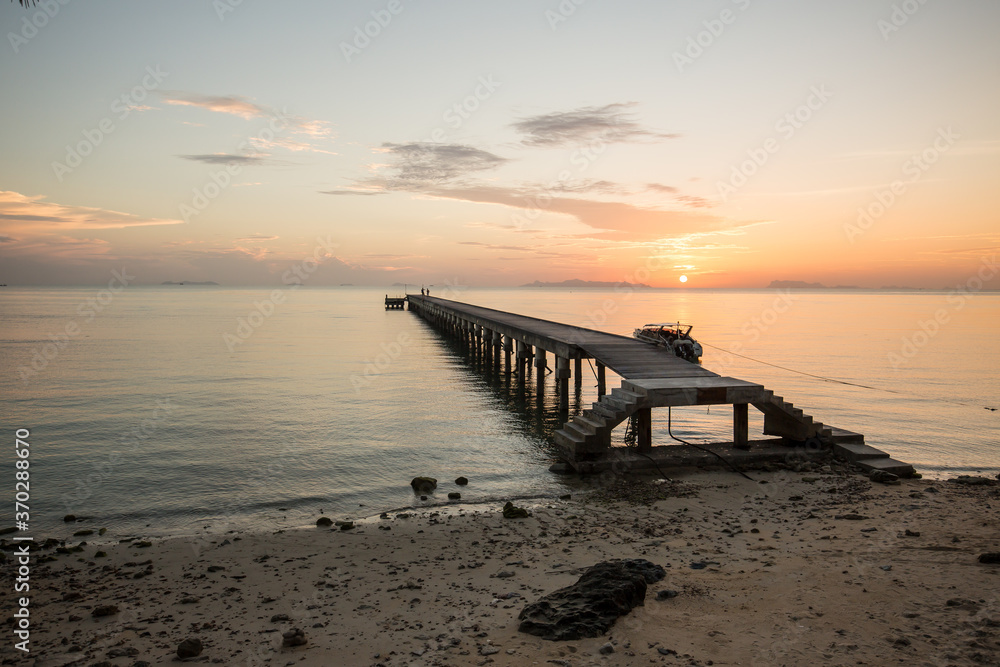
x=673, y=336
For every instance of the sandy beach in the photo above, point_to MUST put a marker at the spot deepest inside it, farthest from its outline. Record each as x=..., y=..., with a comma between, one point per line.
x=816, y=567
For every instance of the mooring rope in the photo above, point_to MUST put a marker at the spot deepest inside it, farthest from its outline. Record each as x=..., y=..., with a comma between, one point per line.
x=853, y=384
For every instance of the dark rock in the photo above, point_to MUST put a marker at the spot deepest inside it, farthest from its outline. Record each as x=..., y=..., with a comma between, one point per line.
x=666, y=594
x=279, y=618
x=141, y=663
x=589, y=607
x=189, y=648
x=123, y=652
x=511, y=512
x=884, y=477
x=83, y=533
x=69, y=518
x=970, y=480
x=960, y=602
x=454, y=495
x=561, y=469
x=990, y=557
x=606, y=649
x=346, y=525
x=851, y=517
x=8, y=531
x=911, y=533
x=294, y=637
x=423, y=485
x=104, y=610
x=461, y=481
x=566, y=496
x=215, y=568
x=324, y=521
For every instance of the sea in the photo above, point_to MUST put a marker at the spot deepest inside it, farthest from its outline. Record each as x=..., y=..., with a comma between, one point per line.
x=185, y=409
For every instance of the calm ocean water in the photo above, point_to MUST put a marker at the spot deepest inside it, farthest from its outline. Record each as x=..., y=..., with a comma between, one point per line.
x=158, y=412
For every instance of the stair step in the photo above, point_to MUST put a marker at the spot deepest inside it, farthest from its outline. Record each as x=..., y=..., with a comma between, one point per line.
x=592, y=423
x=619, y=404
x=606, y=410
x=626, y=395
x=888, y=465
x=579, y=430
x=564, y=438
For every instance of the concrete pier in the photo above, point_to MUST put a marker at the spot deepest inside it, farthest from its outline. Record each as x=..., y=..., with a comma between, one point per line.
x=652, y=377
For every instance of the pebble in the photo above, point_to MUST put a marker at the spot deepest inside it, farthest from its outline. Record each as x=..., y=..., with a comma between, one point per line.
x=606, y=648
x=189, y=648
x=294, y=637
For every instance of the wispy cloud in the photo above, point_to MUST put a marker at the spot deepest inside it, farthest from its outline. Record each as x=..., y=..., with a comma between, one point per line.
x=495, y=246
x=610, y=219
x=258, y=237
x=364, y=193
x=229, y=104
x=226, y=158
x=310, y=132
x=611, y=123
x=601, y=187
x=422, y=162
x=32, y=213
x=692, y=201
x=659, y=187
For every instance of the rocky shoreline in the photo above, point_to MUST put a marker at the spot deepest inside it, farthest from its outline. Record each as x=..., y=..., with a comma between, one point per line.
x=820, y=566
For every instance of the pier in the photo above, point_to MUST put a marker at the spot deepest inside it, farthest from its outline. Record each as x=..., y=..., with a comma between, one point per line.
x=651, y=378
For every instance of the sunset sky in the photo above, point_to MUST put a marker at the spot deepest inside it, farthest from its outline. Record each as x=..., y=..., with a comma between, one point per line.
x=733, y=141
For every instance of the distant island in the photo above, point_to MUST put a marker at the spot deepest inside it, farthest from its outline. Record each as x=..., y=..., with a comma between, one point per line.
x=575, y=282
x=799, y=284
x=187, y=282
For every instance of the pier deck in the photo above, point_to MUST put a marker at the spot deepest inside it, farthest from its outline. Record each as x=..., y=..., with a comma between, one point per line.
x=652, y=377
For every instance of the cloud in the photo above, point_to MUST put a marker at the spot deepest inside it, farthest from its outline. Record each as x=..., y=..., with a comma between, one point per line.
x=610, y=123
x=258, y=237
x=494, y=246
x=604, y=187
x=229, y=104
x=611, y=219
x=659, y=187
x=422, y=162
x=36, y=215
x=226, y=158
x=7, y=239
x=693, y=201
x=314, y=131
x=365, y=193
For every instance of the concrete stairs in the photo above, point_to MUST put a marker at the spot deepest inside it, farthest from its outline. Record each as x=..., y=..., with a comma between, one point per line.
x=590, y=433
x=783, y=419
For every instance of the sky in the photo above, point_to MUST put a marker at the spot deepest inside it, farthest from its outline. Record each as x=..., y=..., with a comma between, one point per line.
x=733, y=142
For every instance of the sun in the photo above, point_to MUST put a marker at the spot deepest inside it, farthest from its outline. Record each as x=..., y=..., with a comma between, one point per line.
x=684, y=279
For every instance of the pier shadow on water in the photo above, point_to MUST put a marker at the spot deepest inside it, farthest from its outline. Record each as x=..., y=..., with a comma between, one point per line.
x=536, y=407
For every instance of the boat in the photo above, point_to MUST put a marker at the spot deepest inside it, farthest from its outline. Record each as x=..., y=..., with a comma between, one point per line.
x=673, y=336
